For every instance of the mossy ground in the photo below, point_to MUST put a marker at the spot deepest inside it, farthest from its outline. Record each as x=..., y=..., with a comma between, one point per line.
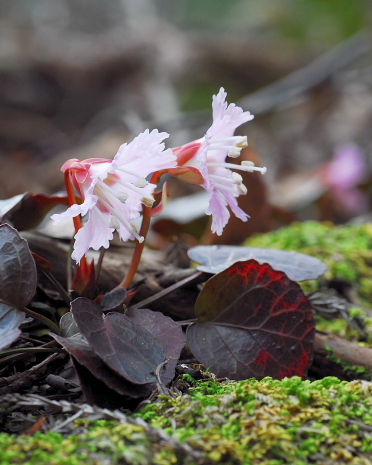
x=272, y=422
x=102, y=443
x=267, y=422
x=346, y=250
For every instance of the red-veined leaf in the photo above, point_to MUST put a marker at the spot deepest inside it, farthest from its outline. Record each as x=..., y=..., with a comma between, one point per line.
x=253, y=321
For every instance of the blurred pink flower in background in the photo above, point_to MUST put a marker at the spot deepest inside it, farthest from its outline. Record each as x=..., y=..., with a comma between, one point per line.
x=343, y=174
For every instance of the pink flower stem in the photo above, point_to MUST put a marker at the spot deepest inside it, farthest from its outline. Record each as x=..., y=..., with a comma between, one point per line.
x=127, y=281
x=72, y=200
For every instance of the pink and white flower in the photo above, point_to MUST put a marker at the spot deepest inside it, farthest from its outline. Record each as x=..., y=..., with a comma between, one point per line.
x=113, y=191
x=202, y=162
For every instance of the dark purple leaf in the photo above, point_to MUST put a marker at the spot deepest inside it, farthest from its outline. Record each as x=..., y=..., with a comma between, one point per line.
x=113, y=299
x=167, y=333
x=18, y=277
x=10, y=320
x=297, y=266
x=26, y=211
x=253, y=322
x=68, y=325
x=79, y=348
x=123, y=345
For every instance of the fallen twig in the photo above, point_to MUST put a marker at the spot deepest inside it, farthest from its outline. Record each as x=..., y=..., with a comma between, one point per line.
x=10, y=402
x=26, y=378
x=343, y=349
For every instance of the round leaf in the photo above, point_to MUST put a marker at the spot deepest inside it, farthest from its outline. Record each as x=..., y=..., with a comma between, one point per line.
x=18, y=277
x=297, y=266
x=253, y=322
x=123, y=345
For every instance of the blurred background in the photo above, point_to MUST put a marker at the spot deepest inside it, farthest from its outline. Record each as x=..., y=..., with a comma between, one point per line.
x=80, y=77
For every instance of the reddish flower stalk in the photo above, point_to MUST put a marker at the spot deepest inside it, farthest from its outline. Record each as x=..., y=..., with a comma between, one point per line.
x=145, y=226
x=76, y=219
x=146, y=217
x=72, y=199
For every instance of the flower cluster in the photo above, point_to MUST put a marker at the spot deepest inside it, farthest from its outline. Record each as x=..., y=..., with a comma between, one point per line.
x=208, y=156
x=114, y=191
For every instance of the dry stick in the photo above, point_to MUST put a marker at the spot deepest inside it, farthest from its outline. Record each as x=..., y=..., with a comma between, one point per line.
x=167, y=290
x=19, y=353
x=68, y=421
x=343, y=349
x=283, y=90
x=9, y=379
x=25, y=379
x=31, y=401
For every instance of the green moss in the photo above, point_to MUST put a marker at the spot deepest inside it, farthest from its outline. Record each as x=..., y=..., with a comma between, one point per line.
x=105, y=442
x=267, y=422
x=338, y=326
x=272, y=421
x=346, y=250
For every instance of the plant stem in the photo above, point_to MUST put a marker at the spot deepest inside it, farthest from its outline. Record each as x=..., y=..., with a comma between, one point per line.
x=17, y=354
x=54, y=327
x=78, y=224
x=72, y=200
x=99, y=263
x=65, y=296
x=31, y=350
x=127, y=281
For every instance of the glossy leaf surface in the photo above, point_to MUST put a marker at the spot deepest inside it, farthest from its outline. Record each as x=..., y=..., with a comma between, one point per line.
x=167, y=333
x=68, y=325
x=18, y=275
x=79, y=348
x=10, y=320
x=113, y=299
x=252, y=322
x=297, y=266
x=126, y=347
